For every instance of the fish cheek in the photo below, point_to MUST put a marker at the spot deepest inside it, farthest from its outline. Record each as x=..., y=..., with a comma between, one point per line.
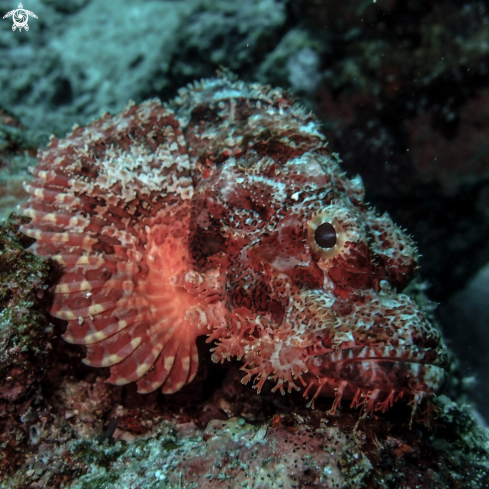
x=355, y=271
x=241, y=298
x=308, y=277
x=285, y=252
x=259, y=302
x=204, y=243
x=205, y=237
x=276, y=311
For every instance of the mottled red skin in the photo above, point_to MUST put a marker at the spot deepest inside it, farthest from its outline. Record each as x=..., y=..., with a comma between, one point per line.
x=199, y=218
x=355, y=279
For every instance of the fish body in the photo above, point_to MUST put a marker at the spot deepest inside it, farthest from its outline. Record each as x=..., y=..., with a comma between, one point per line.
x=223, y=213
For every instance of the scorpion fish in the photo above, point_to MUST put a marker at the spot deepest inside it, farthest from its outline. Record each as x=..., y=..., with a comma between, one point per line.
x=223, y=213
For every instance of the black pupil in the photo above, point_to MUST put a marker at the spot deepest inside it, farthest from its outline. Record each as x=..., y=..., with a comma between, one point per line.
x=325, y=235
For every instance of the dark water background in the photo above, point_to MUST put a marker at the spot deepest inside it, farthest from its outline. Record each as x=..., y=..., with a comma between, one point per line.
x=401, y=87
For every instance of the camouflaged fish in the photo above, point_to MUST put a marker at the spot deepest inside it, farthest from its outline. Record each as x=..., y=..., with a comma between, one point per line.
x=223, y=213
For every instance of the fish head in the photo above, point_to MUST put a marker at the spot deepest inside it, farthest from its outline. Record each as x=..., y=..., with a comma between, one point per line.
x=314, y=281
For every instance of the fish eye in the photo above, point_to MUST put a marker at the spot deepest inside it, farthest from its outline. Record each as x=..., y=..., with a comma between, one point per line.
x=325, y=236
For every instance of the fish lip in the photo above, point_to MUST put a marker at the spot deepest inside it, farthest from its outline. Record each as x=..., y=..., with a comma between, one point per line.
x=405, y=354
x=409, y=368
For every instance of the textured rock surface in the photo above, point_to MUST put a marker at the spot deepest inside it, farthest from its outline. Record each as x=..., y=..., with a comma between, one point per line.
x=24, y=332
x=81, y=61
x=372, y=98
x=17, y=152
x=157, y=443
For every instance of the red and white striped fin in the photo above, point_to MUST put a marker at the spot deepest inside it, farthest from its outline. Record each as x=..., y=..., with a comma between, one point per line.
x=110, y=203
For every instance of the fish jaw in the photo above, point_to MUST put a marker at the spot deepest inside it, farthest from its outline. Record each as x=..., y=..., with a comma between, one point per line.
x=374, y=378
x=376, y=353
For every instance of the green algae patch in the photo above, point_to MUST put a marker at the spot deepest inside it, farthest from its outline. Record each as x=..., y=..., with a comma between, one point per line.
x=24, y=332
x=101, y=455
x=24, y=280
x=169, y=444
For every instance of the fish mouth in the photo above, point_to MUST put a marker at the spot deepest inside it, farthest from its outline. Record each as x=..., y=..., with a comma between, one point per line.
x=404, y=354
x=407, y=369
